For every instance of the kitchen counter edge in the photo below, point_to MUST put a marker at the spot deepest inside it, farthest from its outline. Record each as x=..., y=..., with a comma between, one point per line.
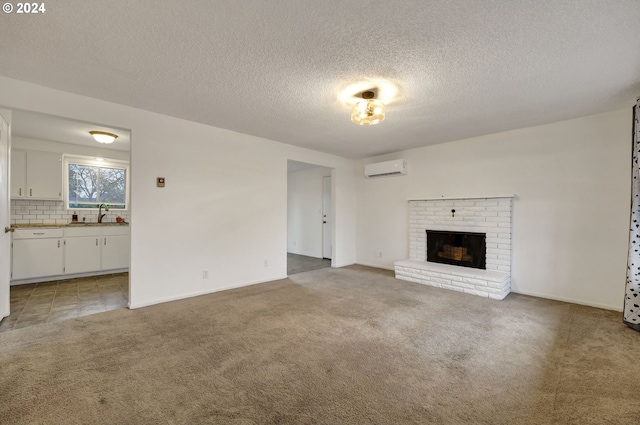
x=56, y=226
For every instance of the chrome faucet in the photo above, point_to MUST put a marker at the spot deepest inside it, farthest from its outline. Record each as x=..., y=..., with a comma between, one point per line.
x=100, y=215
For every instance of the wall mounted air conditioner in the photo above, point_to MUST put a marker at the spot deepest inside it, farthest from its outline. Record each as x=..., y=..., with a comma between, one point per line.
x=396, y=167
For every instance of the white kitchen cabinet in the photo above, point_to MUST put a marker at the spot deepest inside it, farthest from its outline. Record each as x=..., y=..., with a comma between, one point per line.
x=18, y=174
x=58, y=253
x=82, y=254
x=44, y=175
x=36, y=253
x=115, y=248
x=36, y=175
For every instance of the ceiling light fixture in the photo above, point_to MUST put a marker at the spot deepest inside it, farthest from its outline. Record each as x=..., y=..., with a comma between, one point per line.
x=103, y=136
x=368, y=111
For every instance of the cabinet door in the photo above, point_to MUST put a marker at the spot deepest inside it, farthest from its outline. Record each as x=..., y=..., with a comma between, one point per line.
x=37, y=258
x=18, y=174
x=115, y=252
x=82, y=254
x=44, y=175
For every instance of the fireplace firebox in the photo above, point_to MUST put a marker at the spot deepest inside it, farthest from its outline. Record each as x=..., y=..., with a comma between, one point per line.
x=464, y=249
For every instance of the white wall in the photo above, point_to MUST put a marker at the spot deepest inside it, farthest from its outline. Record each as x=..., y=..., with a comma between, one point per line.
x=224, y=206
x=304, y=213
x=570, y=215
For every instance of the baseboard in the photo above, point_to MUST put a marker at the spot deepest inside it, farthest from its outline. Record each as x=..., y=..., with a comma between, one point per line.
x=376, y=266
x=197, y=294
x=338, y=265
x=539, y=295
x=65, y=276
x=569, y=300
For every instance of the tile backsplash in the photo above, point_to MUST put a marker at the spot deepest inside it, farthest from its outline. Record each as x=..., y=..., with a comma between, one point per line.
x=25, y=211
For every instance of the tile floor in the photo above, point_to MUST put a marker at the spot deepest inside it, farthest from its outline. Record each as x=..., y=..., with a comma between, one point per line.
x=47, y=302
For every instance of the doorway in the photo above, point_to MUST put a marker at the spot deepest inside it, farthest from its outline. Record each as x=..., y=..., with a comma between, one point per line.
x=327, y=221
x=309, y=217
x=58, y=295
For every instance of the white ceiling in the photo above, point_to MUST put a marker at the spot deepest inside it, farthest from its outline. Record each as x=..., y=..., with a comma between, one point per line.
x=279, y=69
x=34, y=125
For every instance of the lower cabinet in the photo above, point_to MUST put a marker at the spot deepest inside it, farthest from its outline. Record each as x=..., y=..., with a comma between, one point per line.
x=115, y=252
x=82, y=254
x=39, y=252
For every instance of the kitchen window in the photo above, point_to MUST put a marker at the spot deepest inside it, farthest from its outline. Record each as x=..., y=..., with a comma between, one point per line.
x=89, y=183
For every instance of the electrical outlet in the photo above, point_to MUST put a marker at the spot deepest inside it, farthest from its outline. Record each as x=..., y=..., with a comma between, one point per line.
x=24, y=209
x=205, y=274
x=378, y=254
x=295, y=243
x=266, y=263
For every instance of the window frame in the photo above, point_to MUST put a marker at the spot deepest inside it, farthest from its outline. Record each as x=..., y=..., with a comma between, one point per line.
x=94, y=162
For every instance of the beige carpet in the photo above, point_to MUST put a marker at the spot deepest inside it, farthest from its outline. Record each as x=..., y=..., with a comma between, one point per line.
x=331, y=346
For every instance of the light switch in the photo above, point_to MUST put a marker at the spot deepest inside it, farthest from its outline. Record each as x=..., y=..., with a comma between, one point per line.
x=160, y=182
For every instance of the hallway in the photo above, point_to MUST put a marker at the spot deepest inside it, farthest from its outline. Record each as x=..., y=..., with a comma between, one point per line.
x=301, y=263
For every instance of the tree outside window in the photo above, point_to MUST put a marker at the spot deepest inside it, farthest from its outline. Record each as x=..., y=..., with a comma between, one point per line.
x=91, y=185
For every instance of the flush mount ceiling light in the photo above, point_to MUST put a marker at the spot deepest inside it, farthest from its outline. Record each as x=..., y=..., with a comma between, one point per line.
x=368, y=111
x=103, y=136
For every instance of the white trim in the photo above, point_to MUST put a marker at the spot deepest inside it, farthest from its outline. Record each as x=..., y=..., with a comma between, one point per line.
x=66, y=276
x=339, y=265
x=568, y=300
x=375, y=266
x=197, y=294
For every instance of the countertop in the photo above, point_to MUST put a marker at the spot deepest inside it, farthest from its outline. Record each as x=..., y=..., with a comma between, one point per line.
x=55, y=226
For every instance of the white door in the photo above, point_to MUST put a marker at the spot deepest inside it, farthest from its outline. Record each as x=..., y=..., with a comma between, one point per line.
x=327, y=219
x=5, y=238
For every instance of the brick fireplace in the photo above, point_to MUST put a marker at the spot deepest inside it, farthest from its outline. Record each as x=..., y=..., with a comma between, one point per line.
x=489, y=216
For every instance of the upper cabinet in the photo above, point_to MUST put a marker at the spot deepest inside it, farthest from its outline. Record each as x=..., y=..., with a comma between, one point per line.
x=18, y=174
x=36, y=175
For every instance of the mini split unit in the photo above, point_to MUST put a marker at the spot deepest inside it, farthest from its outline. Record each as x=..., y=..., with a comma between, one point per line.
x=396, y=167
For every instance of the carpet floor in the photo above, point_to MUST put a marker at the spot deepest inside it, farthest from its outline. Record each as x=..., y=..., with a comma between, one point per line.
x=330, y=346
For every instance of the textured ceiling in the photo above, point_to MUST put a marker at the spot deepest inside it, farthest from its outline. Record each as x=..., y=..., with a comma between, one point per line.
x=279, y=69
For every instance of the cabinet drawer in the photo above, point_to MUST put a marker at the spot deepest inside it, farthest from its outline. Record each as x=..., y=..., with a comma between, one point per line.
x=37, y=233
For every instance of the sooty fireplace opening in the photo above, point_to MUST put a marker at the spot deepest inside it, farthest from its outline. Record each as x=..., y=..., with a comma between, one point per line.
x=458, y=248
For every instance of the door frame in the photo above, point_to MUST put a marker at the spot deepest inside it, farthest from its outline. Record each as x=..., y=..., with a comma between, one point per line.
x=327, y=217
x=5, y=204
